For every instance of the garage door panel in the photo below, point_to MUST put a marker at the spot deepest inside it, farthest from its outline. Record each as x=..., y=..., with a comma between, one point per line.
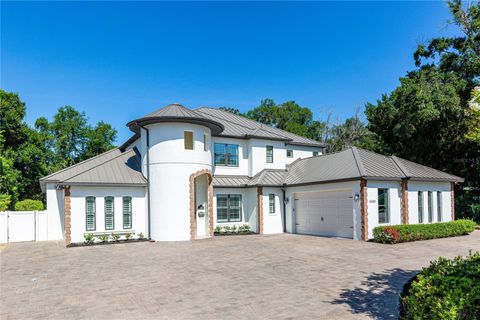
x=327, y=213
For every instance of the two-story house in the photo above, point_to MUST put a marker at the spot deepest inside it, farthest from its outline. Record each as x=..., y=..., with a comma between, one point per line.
x=184, y=172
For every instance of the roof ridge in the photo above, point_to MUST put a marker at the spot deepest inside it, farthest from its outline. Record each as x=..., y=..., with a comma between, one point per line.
x=238, y=124
x=101, y=164
x=400, y=166
x=422, y=165
x=81, y=162
x=358, y=161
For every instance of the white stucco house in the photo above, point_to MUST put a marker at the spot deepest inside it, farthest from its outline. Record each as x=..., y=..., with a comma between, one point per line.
x=184, y=172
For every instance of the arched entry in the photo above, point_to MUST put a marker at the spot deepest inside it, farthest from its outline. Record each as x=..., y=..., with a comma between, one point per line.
x=201, y=204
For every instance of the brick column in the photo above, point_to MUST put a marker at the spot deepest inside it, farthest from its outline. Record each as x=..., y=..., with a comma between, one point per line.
x=452, y=192
x=364, y=208
x=260, y=209
x=404, y=199
x=68, y=218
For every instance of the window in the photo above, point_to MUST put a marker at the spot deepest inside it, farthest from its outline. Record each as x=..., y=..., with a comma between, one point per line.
x=109, y=213
x=127, y=212
x=188, y=140
x=229, y=208
x=90, y=213
x=206, y=142
x=269, y=154
x=383, y=215
x=439, y=206
x=315, y=153
x=226, y=154
x=430, y=206
x=420, y=207
x=271, y=203
x=289, y=153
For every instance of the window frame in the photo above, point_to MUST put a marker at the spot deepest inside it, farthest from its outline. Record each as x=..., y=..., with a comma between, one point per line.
x=269, y=157
x=430, y=206
x=226, y=155
x=130, y=213
x=439, y=206
x=229, y=196
x=112, y=198
x=420, y=206
x=315, y=153
x=386, y=205
x=87, y=198
x=190, y=132
x=291, y=153
x=206, y=142
x=272, y=208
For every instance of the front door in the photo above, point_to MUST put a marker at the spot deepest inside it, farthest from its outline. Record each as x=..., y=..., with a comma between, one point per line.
x=201, y=221
x=201, y=200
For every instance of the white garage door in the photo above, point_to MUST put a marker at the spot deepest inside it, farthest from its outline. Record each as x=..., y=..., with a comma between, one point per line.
x=325, y=213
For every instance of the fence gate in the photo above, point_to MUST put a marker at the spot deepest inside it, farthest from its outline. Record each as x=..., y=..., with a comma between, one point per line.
x=20, y=226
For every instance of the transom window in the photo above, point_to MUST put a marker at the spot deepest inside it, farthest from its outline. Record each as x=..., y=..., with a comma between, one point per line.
x=269, y=154
x=188, y=140
x=229, y=208
x=430, y=206
x=420, y=207
x=271, y=203
x=90, y=211
x=226, y=154
x=439, y=206
x=383, y=214
x=109, y=213
x=127, y=212
x=289, y=153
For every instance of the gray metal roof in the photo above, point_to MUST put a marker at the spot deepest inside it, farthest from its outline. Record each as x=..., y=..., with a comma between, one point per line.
x=268, y=177
x=175, y=113
x=230, y=181
x=355, y=163
x=110, y=168
x=240, y=127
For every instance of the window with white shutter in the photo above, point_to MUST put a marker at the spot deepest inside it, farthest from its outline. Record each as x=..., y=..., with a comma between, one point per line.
x=90, y=213
x=109, y=213
x=127, y=212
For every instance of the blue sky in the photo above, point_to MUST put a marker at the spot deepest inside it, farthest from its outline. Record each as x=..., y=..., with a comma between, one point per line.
x=117, y=61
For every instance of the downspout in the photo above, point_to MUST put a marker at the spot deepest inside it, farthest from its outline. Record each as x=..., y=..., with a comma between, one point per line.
x=284, y=212
x=148, y=179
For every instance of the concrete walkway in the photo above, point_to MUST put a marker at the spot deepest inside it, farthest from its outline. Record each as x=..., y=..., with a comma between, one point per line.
x=245, y=277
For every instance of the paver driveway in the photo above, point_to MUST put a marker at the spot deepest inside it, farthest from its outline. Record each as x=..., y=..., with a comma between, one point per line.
x=281, y=276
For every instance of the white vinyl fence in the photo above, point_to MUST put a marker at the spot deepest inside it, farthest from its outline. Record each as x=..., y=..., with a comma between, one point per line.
x=18, y=226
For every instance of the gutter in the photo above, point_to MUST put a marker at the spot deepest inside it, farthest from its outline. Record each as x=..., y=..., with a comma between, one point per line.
x=148, y=178
x=284, y=207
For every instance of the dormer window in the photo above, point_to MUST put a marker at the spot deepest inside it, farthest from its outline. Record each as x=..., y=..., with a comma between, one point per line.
x=188, y=140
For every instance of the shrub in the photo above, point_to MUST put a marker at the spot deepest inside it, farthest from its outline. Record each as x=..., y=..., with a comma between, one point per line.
x=141, y=236
x=29, y=205
x=89, y=239
x=244, y=228
x=5, y=200
x=103, y=237
x=218, y=229
x=414, y=232
x=447, y=289
x=115, y=237
x=128, y=236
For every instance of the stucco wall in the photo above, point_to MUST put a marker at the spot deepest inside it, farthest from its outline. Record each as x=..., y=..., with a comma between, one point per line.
x=78, y=214
x=272, y=222
x=394, y=203
x=170, y=169
x=55, y=212
x=443, y=187
x=249, y=206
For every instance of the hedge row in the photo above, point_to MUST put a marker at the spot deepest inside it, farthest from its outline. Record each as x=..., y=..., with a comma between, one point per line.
x=414, y=232
x=447, y=289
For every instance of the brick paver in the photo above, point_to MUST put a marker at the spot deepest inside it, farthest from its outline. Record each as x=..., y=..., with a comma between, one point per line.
x=277, y=277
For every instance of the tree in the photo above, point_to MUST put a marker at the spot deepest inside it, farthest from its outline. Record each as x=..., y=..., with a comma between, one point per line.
x=231, y=110
x=99, y=139
x=427, y=118
x=264, y=113
x=352, y=132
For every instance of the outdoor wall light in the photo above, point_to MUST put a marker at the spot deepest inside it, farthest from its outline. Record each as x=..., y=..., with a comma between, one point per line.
x=286, y=200
x=357, y=197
